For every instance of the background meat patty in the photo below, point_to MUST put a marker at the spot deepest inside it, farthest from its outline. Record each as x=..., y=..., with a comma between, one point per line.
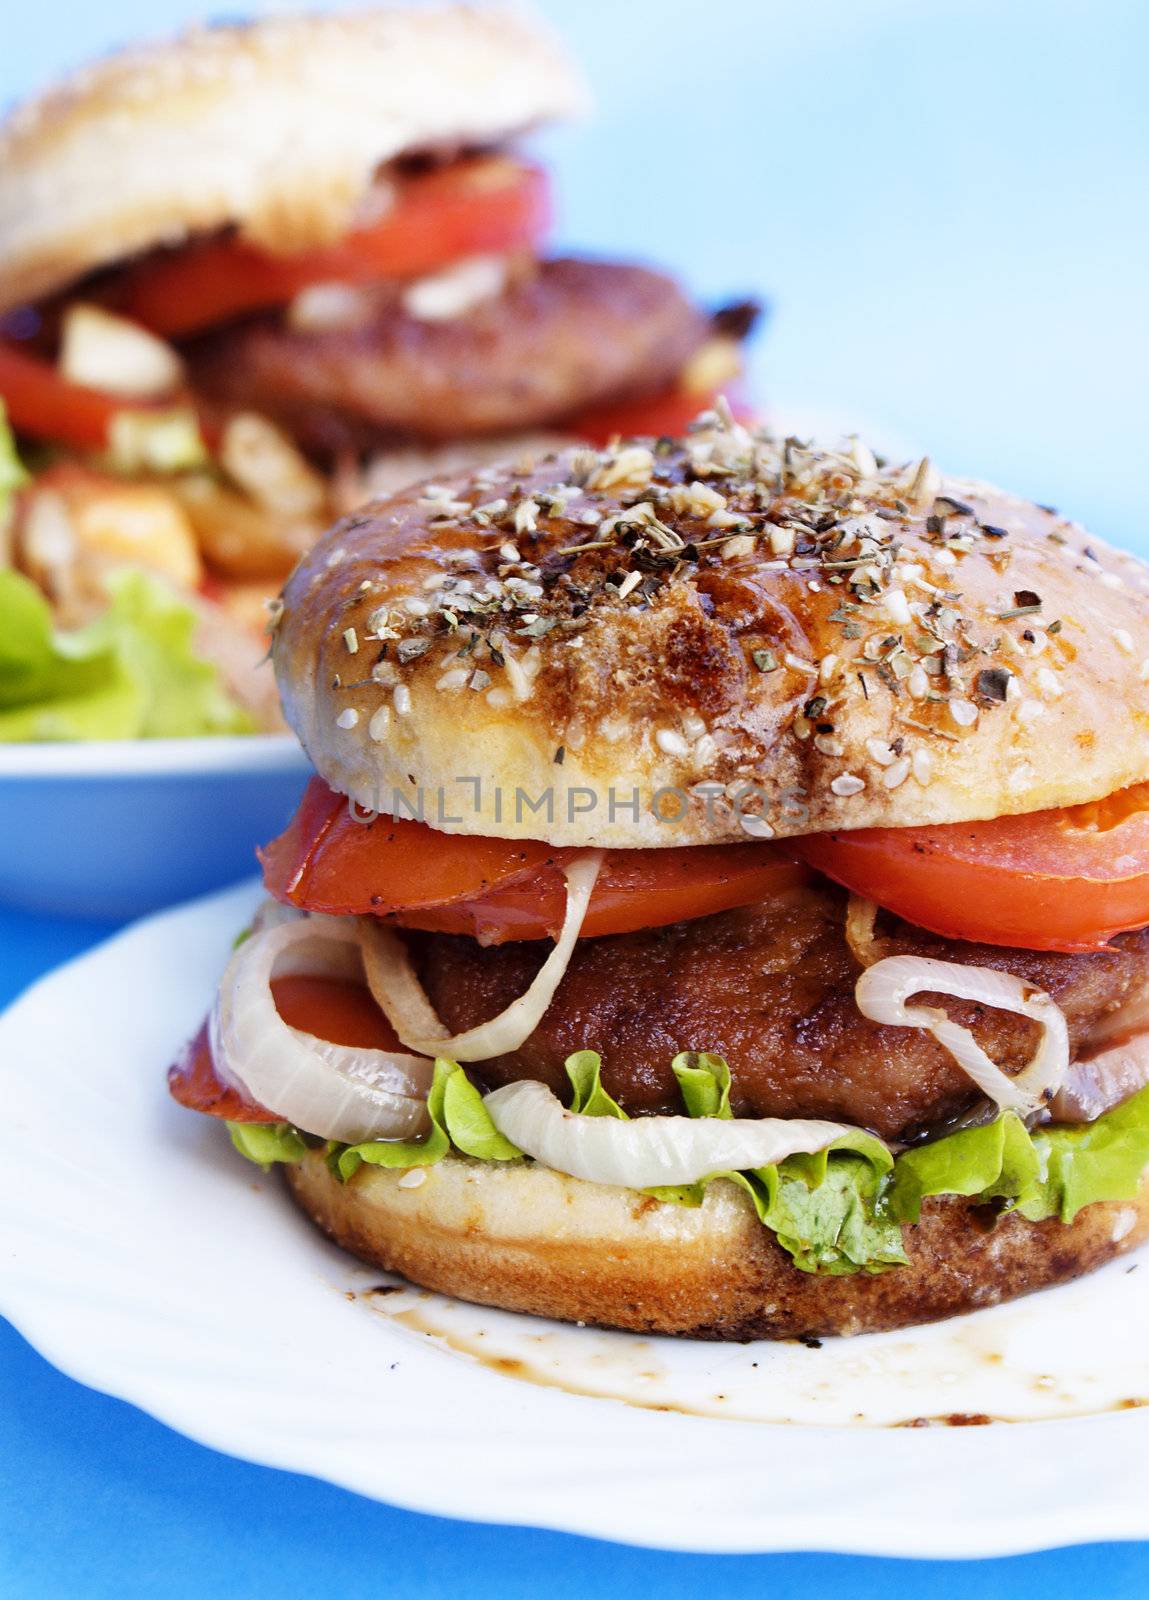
x=771, y=988
x=568, y=335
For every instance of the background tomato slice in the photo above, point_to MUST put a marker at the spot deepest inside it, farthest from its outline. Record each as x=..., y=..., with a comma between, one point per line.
x=666, y=414
x=42, y=404
x=478, y=207
x=1052, y=880
x=499, y=889
x=329, y=1008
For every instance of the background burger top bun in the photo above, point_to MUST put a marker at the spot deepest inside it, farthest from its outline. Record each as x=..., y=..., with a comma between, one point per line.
x=898, y=648
x=275, y=127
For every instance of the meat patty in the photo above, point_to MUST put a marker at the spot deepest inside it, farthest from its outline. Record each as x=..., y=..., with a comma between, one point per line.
x=771, y=988
x=568, y=335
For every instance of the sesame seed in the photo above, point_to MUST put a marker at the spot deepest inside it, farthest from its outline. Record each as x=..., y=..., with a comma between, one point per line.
x=629, y=583
x=1144, y=673
x=827, y=667
x=402, y=700
x=827, y=744
x=797, y=662
x=782, y=541
x=918, y=682
x=413, y=1178
x=509, y=552
x=846, y=784
x=380, y=722
x=923, y=766
x=1050, y=685
x=1123, y=639
x=880, y=751
x=693, y=726
x=526, y=517
x=498, y=698
x=897, y=606
x=896, y=774
x=671, y=742
x=455, y=678
x=964, y=713
x=756, y=827
x=348, y=718
x=416, y=607
x=351, y=640
x=741, y=545
x=1030, y=710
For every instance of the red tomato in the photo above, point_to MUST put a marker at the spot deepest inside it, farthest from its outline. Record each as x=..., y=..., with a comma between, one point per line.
x=483, y=206
x=328, y=1008
x=498, y=889
x=661, y=415
x=41, y=403
x=1053, y=880
x=327, y=861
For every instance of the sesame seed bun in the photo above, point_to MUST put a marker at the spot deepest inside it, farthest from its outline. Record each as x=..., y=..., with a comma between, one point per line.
x=823, y=642
x=276, y=127
x=528, y=1239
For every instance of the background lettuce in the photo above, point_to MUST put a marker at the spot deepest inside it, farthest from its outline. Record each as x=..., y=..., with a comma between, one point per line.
x=131, y=674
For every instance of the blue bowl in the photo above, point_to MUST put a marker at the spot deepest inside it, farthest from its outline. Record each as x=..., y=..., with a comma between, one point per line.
x=117, y=829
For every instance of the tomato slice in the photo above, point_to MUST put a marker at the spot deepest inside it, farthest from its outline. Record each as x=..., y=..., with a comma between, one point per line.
x=329, y=1008
x=1052, y=880
x=328, y=861
x=635, y=889
x=41, y=403
x=499, y=889
x=483, y=206
x=661, y=415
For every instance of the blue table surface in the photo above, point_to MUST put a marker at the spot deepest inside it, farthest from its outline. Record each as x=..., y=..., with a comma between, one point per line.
x=945, y=204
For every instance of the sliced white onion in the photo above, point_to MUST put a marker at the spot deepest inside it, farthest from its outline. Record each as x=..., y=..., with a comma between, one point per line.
x=392, y=980
x=1116, y=1068
x=648, y=1152
x=335, y=1091
x=884, y=988
x=1103, y=1081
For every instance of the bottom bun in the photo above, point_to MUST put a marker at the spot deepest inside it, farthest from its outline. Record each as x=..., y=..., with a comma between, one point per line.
x=528, y=1239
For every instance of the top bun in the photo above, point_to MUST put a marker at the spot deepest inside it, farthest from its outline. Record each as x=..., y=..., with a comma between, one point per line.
x=785, y=639
x=276, y=127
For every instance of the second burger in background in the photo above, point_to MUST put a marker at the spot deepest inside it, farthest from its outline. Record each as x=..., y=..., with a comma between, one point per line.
x=253, y=275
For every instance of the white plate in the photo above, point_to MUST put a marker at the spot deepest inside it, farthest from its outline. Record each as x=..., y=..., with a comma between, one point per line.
x=116, y=828
x=146, y=1259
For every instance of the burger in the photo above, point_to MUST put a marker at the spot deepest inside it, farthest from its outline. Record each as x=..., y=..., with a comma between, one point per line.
x=254, y=275
x=721, y=904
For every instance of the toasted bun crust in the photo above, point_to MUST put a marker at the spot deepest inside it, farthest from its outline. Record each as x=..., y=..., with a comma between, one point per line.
x=276, y=126
x=860, y=646
x=527, y=1239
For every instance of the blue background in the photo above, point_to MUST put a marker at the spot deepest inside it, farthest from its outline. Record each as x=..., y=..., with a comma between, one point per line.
x=946, y=205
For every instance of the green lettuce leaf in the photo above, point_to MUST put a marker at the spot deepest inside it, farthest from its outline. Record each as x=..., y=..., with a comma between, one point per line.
x=265, y=1143
x=838, y=1211
x=131, y=674
x=458, y=1118
x=1051, y=1172
x=589, y=1098
x=12, y=474
x=822, y=1207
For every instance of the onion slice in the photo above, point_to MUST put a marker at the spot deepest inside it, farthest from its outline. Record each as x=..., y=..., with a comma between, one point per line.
x=648, y=1152
x=335, y=1091
x=392, y=980
x=1115, y=1067
x=883, y=989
